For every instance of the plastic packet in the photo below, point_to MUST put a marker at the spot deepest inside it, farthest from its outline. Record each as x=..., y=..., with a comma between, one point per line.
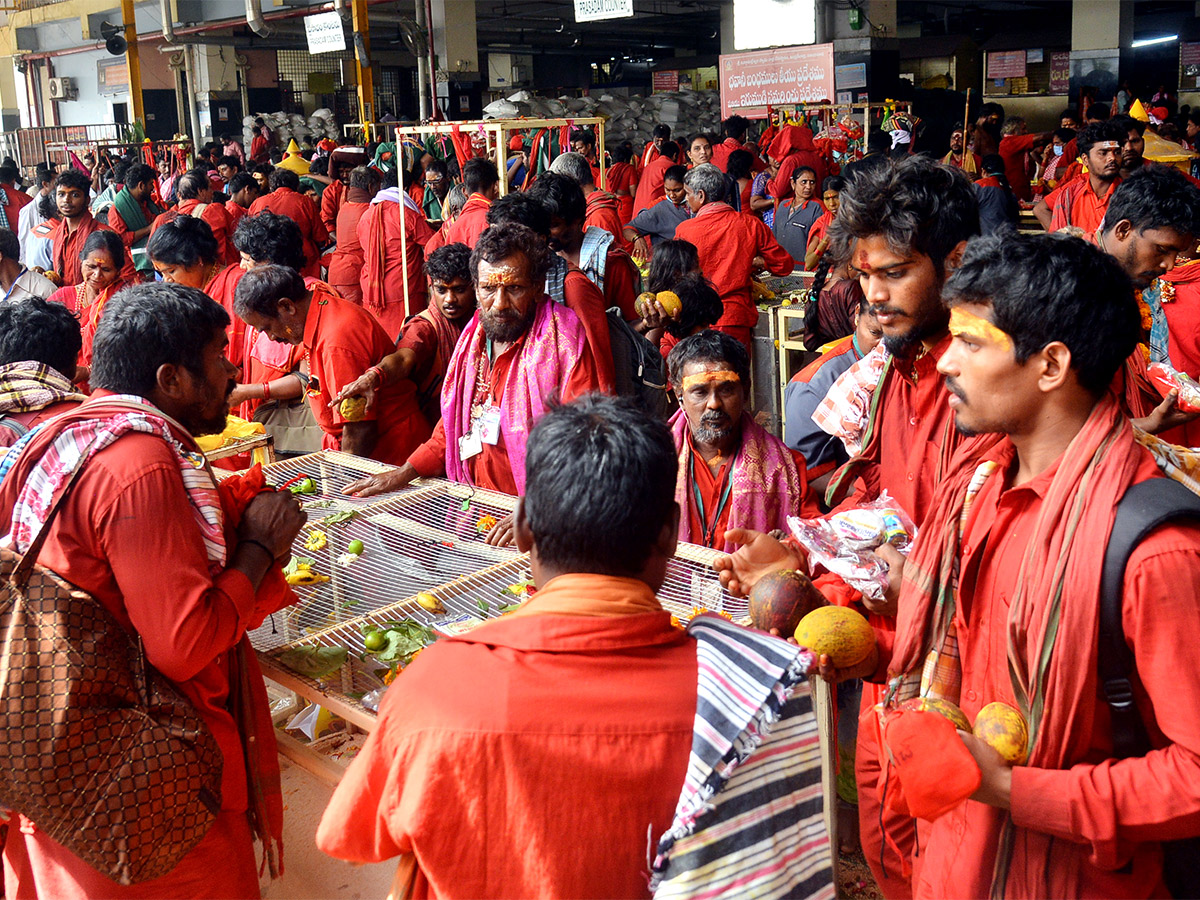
x=312, y=721
x=371, y=699
x=843, y=542
x=1166, y=378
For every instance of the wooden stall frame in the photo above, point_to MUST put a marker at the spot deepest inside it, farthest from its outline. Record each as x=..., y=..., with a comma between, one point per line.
x=497, y=130
x=828, y=110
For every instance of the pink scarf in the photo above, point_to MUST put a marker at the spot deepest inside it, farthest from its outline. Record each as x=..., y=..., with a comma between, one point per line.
x=766, y=483
x=546, y=356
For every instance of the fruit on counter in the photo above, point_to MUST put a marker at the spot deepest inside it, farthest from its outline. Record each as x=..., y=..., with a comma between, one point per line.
x=356, y=547
x=670, y=302
x=314, y=662
x=485, y=524
x=838, y=632
x=303, y=486
x=352, y=409
x=759, y=291
x=644, y=304
x=943, y=708
x=781, y=599
x=375, y=640
x=1000, y=726
x=430, y=603
x=401, y=640
x=315, y=541
x=299, y=572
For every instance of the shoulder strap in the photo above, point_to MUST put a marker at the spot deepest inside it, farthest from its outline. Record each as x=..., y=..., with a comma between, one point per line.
x=1144, y=507
x=20, y=574
x=10, y=423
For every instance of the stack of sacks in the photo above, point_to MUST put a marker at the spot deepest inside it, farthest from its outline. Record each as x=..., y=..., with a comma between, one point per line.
x=286, y=127
x=627, y=118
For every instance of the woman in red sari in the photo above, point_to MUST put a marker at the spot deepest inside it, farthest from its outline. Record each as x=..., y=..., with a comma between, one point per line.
x=101, y=261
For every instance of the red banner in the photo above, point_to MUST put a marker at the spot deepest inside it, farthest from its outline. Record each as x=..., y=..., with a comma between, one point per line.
x=752, y=81
x=1006, y=64
x=1060, y=73
x=666, y=81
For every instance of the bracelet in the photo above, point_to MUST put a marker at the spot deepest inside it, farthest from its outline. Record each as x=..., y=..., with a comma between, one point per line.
x=379, y=374
x=270, y=553
x=266, y=386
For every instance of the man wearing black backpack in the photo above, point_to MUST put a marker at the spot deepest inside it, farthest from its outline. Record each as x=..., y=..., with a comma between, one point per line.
x=1002, y=600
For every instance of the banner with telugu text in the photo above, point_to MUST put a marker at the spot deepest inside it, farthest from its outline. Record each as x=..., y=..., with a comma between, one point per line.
x=752, y=81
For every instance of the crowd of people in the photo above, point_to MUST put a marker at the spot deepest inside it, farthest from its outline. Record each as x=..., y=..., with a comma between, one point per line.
x=994, y=385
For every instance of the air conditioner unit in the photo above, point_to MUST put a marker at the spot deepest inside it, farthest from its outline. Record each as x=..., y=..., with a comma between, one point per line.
x=62, y=89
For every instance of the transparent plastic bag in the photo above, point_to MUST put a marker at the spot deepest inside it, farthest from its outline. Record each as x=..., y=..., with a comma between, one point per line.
x=843, y=543
x=1165, y=378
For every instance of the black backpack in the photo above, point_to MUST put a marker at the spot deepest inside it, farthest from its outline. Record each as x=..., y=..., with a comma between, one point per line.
x=639, y=369
x=1144, y=507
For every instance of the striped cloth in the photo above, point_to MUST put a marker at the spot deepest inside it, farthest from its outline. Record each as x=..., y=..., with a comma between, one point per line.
x=82, y=439
x=846, y=409
x=750, y=818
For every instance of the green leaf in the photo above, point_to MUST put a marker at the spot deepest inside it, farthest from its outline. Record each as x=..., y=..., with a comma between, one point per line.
x=314, y=662
x=339, y=517
x=293, y=565
x=403, y=640
x=483, y=605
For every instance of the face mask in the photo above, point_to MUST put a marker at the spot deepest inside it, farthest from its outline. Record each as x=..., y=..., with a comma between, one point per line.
x=1058, y=149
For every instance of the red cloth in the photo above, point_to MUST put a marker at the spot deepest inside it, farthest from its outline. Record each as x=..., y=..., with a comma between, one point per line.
x=382, y=279
x=727, y=241
x=650, y=185
x=618, y=748
x=621, y=278
x=332, y=199
x=430, y=337
x=301, y=210
x=260, y=148
x=490, y=469
x=622, y=183
x=1076, y=204
x=720, y=157
x=819, y=230
x=346, y=263
x=236, y=212
x=1183, y=318
x=89, y=317
x=65, y=248
x=471, y=222
x=793, y=147
x=1077, y=825
x=1014, y=148
x=584, y=299
x=13, y=201
x=343, y=341
x=100, y=543
x=31, y=420
x=603, y=212
x=222, y=288
x=117, y=224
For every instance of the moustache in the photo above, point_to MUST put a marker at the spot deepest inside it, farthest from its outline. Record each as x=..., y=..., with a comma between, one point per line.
x=953, y=388
x=877, y=308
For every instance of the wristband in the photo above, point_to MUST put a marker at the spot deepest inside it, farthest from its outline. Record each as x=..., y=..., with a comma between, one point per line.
x=260, y=545
x=380, y=375
x=266, y=386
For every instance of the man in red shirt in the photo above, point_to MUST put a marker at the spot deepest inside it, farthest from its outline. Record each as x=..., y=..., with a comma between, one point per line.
x=602, y=207
x=342, y=341
x=594, y=678
x=650, y=186
x=592, y=249
x=285, y=200
x=144, y=524
x=1015, y=144
x=482, y=183
x=1082, y=201
x=134, y=210
x=195, y=193
x=346, y=262
x=735, y=128
x=654, y=147
x=731, y=246
x=385, y=291
x=71, y=191
x=520, y=352
x=732, y=472
x=793, y=147
x=39, y=347
x=341, y=161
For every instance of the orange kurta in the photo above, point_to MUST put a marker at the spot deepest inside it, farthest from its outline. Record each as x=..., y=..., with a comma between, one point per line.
x=65, y=248
x=598, y=707
x=346, y=263
x=378, y=230
x=471, y=222
x=343, y=340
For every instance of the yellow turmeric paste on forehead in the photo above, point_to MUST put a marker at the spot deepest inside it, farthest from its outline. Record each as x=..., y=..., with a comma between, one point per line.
x=966, y=324
x=709, y=377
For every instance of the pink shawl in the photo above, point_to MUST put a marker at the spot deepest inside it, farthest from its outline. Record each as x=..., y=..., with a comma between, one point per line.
x=767, y=487
x=546, y=356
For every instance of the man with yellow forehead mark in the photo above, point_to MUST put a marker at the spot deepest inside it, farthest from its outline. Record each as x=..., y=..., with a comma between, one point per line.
x=733, y=475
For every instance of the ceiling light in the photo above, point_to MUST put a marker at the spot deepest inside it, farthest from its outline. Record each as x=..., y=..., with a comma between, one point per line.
x=1146, y=42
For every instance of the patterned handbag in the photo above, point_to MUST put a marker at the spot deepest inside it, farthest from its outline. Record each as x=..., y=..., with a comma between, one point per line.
x=100, y=751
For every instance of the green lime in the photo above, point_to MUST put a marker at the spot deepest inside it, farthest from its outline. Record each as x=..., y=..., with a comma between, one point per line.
x=375, y=640
x=356, y=547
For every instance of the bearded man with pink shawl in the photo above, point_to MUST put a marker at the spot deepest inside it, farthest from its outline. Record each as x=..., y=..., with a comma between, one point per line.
x=732, y=473
x=521, y=352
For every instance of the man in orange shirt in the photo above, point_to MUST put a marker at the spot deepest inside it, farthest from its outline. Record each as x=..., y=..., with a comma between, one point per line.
x=285, y=200
x=731, y=246
x=385, y=292
x=735, y=128
x=142, y=524
x=1083, y=201
x=601, y=205
x=346, y=262
x=732, y=472
x=71, y=190
x=521, y=352
x=1015, y=144
x=584, y=761
x=482, y=184
x=592, y=249
x=650, y=186
x=133, y=211
x=654, y=147
x=342, y=340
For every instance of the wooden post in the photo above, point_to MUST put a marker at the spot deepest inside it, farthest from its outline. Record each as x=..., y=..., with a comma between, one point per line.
x=132, y=61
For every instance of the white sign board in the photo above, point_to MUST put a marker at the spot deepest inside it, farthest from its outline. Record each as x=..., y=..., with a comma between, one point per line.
x=324, y=32
x=594, y=10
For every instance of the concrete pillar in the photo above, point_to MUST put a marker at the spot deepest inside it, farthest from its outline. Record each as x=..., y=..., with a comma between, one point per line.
x=456, y=48
x=1101, y=32
x=215, y=86
x=864, y=36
